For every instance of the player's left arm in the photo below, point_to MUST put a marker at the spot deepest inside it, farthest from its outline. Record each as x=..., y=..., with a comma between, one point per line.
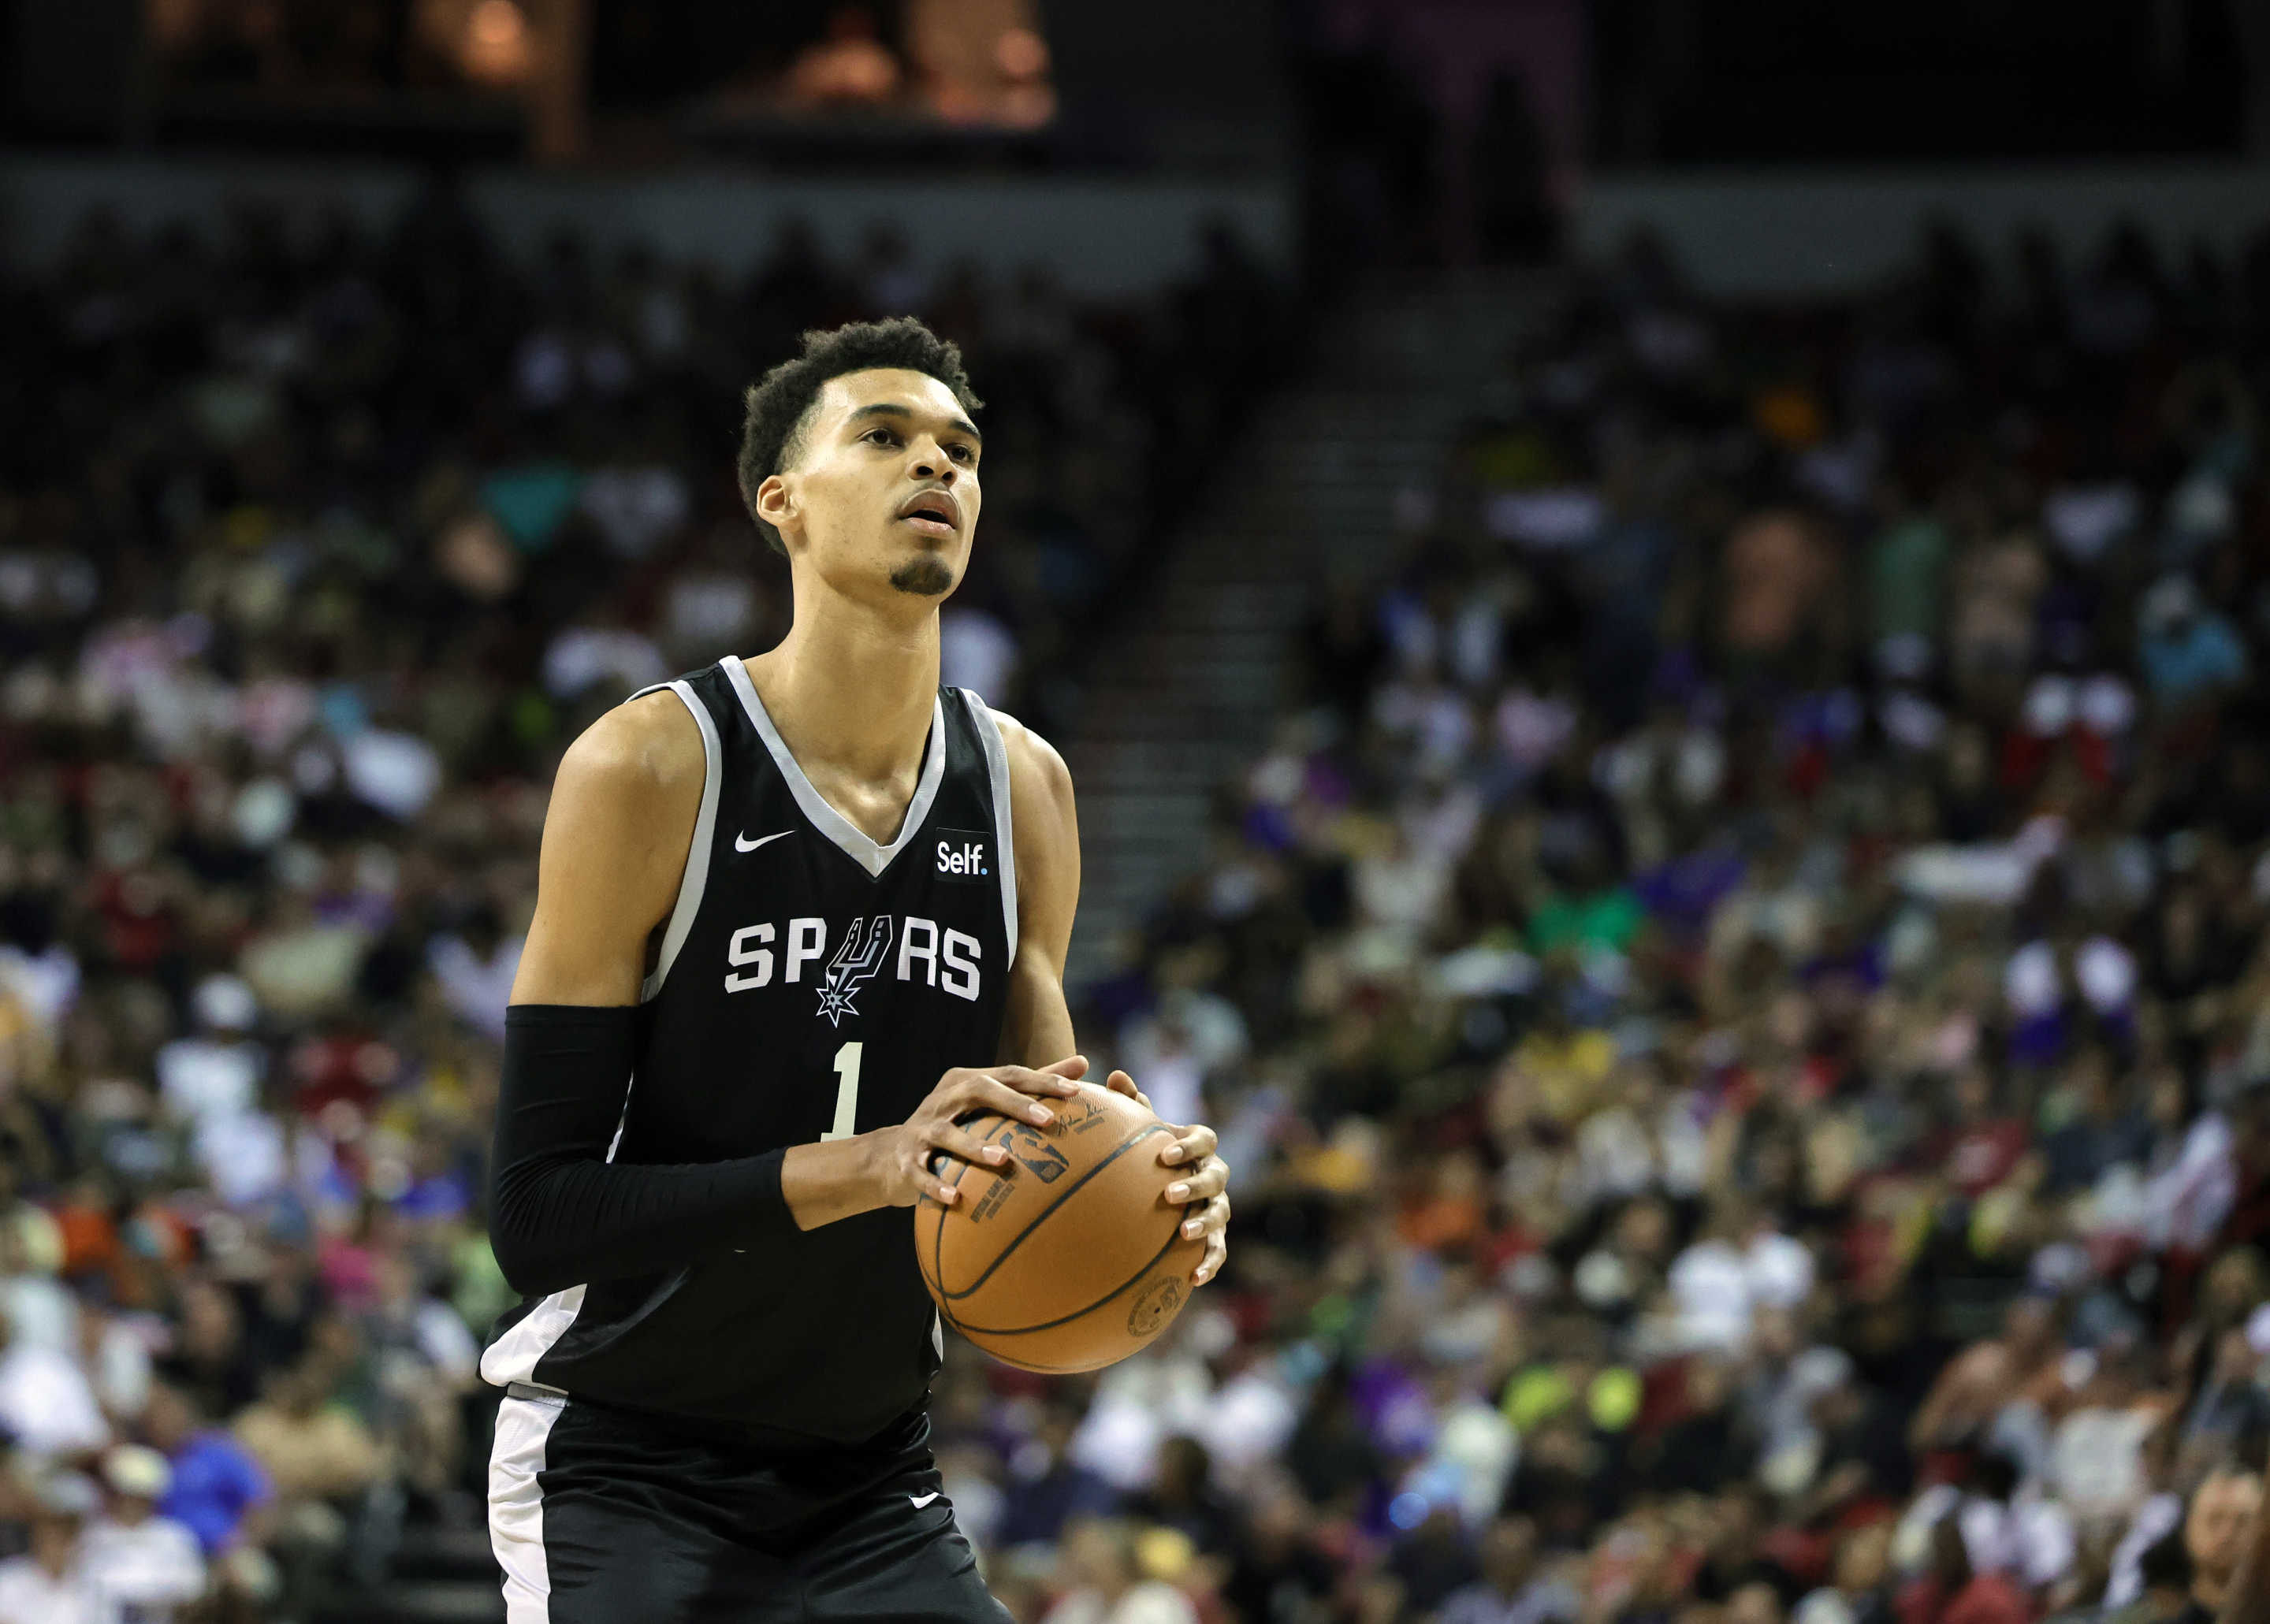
x=1036, y=1027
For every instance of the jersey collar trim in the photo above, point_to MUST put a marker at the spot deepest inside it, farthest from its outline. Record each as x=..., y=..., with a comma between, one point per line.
x=853, y=841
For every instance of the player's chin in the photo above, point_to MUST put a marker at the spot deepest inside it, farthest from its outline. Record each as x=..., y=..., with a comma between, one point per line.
x=925, y=575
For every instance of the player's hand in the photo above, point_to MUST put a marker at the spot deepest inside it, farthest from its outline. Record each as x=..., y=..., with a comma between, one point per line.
x=1204, y=1196
x=904, y=1156
x=1120, y=1082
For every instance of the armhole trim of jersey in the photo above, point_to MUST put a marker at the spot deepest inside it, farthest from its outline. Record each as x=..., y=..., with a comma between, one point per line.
x=696, y=878
x=996, y=768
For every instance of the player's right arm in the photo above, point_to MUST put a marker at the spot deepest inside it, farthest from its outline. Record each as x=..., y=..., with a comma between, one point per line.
x=616, y=839
x=615, y=846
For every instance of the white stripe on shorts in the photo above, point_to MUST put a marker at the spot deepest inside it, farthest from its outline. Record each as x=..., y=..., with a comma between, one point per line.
x=525, y=1423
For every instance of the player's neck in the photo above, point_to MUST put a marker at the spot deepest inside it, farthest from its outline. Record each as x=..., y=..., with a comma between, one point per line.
x=853, y=692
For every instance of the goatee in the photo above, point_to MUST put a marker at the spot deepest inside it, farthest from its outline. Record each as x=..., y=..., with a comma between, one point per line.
x=926, y=577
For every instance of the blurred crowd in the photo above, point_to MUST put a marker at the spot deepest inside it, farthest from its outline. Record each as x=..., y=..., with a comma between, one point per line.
x=1736, y=1000
x=317, y=544
x=1735, y=997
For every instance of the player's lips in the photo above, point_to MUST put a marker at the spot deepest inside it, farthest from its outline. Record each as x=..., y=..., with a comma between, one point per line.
x=934, y=512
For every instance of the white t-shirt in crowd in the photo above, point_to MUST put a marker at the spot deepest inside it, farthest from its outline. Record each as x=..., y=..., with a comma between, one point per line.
x=478, y=988
x=41, y=1311
x=203, y=1077
x=152, y=1567
x=46, y=1403
x=29, y=1595
x=1711, y=1288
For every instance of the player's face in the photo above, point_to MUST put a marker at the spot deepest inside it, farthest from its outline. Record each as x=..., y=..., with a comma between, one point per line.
x=887, y=486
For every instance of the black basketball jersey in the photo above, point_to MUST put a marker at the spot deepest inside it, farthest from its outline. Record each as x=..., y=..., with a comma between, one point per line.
x=811, y=985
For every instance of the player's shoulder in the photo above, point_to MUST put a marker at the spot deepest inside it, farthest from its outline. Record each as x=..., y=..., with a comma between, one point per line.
x=645, y=747
x=1035, y=768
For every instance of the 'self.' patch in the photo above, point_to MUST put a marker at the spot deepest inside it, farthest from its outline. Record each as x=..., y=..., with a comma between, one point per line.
x=965, y=857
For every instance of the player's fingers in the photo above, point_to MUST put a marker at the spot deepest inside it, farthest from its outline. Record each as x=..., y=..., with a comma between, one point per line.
x=1217, y=1253
x=923, y=1170
x=1120, y=1082
x=938, y=1190
x=988, y=1094
x=1024, y=1079
x=1206, y=1180
x=1191, y=1144
x=1210, y=1218
x=960, y=1142
x=1070, y=1065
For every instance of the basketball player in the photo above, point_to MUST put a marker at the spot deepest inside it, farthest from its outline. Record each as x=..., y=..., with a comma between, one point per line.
x=795, y=915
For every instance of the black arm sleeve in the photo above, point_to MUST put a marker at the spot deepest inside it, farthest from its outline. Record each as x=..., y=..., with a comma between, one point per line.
x=561, y=1213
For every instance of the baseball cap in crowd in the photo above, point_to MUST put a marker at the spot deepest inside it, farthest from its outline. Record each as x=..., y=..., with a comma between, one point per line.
x=138, y=1472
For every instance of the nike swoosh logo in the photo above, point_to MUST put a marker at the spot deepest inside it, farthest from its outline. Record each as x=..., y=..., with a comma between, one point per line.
x=922, y=1500
x=742, y=842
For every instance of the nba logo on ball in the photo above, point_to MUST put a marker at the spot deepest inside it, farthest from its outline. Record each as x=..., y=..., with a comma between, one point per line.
x=962, y=855
x=1042, y=1159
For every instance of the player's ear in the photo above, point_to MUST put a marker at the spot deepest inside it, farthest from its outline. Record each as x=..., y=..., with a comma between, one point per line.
x=776, y=503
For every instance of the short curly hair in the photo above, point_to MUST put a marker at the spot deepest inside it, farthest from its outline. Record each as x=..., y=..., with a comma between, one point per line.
x=779, y=402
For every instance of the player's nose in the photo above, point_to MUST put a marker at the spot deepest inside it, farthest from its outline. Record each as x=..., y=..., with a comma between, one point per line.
x=933, y=463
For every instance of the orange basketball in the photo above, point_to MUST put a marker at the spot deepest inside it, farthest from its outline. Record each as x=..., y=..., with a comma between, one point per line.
x=1067, y=1257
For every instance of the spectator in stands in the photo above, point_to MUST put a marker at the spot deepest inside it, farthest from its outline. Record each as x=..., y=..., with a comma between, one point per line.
x=1952, y=1591
x=139, y=1559
x=1183, y=1497
x=1510, y=1591
x=2165, y=1593
x=46, y=1404
x=320, y=1460
x=53, y=1583
x=2216, y=1527
x=1048, y=1487
x=1103, y=1581
x=1278, y=1571
x=215, y=1483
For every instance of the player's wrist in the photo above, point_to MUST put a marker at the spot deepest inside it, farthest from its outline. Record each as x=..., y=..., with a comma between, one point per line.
x=872, y=1166
x=836, y=1179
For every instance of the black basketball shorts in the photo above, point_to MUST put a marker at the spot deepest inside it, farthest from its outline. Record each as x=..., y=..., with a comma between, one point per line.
x=598, y=1517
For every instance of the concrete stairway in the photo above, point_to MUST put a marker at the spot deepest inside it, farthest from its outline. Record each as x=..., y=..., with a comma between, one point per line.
x=1188, y=696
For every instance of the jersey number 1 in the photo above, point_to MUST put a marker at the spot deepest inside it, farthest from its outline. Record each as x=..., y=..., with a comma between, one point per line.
x=847, y=1092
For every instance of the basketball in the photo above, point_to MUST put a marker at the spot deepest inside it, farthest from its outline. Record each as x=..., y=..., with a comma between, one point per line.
x=1067, y=1257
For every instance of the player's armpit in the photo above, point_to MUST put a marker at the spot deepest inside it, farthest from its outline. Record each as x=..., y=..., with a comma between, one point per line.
x=615, y=844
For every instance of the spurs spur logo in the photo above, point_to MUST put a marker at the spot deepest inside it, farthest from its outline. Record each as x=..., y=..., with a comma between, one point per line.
x=866, y=947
